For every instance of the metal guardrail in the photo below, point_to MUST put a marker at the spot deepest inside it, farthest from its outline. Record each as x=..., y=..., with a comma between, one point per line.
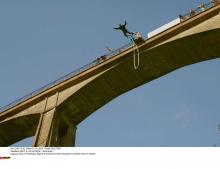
x=68, y=76
x=202, y=7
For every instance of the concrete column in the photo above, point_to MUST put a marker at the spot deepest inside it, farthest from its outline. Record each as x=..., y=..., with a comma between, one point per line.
x=66, y=135
x=53, y=131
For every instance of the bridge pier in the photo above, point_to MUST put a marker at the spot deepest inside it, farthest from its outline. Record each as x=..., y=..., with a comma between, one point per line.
x=53, y=131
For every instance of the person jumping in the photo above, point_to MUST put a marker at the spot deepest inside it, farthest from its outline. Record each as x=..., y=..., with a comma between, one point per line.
x=124, y=29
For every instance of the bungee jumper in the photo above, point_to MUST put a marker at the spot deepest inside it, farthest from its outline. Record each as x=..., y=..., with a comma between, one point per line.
x=122, y=27
x=134, y=37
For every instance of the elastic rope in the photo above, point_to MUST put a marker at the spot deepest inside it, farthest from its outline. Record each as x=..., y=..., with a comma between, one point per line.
x=136, y=65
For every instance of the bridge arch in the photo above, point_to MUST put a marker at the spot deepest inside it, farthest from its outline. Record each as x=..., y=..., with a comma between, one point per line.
x=104, y=87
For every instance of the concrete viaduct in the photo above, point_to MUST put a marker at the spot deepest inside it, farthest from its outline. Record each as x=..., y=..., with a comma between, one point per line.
x=52, y=115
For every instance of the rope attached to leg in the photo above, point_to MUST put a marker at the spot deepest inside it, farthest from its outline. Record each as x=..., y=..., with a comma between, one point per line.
x=136, y=58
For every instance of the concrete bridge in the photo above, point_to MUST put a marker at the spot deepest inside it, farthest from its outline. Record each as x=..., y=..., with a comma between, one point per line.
x=53, y=113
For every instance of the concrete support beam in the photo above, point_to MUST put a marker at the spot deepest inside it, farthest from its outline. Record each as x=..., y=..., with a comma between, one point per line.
x=53, y=131
x=45, y=129
x=66, y=135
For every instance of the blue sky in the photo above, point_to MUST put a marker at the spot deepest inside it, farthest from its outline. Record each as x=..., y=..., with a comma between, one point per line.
x=43, y=40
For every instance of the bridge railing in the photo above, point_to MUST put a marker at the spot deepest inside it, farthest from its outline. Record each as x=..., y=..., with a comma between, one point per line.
x=200, y=8
x=68, y=76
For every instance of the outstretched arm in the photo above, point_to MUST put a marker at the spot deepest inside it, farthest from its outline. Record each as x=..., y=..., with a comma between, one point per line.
x=125, y=23
x=116, y=28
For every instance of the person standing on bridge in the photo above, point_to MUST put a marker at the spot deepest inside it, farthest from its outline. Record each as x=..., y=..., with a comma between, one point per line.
x=123, y=28
x=215, y=2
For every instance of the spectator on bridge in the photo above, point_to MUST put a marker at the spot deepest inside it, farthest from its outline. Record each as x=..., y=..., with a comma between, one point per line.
x=202, y=6
x=192, y=12
x=215, y=2
x=182, y=18
x=101, y=58
x=124, y=29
